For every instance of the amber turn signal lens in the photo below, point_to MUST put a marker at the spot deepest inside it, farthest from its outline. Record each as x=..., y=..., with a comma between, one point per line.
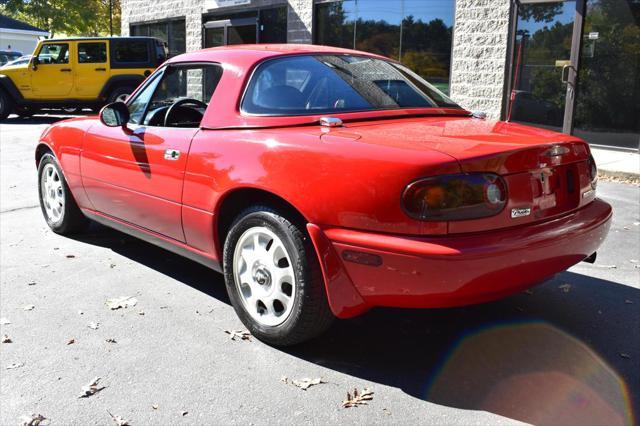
x=455, y=197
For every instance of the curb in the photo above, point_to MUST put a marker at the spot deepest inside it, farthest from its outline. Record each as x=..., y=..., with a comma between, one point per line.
x=618, y=176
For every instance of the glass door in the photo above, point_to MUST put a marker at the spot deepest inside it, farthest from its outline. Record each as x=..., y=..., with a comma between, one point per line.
x=231, y=31
x=608, y=99
x=545, y=60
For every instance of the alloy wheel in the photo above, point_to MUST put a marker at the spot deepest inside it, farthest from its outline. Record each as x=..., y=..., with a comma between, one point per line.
x=264, y=276
x=52, y=193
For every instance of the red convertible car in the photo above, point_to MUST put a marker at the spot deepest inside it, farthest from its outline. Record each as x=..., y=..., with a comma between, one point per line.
x=323, y=182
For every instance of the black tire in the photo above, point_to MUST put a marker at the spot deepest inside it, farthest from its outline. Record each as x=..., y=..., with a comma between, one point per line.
x=6, y=105
x=24, y=111
x=310, y=314
x=72, y=220
x=119, y=91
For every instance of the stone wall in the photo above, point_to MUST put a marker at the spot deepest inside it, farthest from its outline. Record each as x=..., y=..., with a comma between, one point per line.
x=299, y=19
x=134, y=11
x=479, y=56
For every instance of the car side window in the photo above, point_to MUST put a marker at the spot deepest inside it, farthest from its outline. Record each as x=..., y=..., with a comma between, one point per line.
x=193, y=85
x=130, y=51
x=54, y=53
x=138, y=105
x=92, y=53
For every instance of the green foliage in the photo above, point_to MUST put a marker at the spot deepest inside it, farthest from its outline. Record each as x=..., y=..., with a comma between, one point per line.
x=69, y=17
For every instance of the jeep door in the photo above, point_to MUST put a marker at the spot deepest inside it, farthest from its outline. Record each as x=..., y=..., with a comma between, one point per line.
x=52, y=77
x=92, y=69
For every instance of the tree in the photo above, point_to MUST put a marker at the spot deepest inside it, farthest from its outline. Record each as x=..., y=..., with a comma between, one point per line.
x=70, y=17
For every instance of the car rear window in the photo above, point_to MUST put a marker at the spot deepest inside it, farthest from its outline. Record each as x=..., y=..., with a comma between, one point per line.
x=320, y=84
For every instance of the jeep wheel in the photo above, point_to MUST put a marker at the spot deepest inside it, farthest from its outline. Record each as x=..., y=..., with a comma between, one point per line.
x=273, y=278
x=120, y=94
x=25, y=111
x=6, y=105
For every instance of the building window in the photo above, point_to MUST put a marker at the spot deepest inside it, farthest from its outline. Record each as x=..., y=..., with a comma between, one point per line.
x=172, y=32
x=248, y=27
x=416, y=32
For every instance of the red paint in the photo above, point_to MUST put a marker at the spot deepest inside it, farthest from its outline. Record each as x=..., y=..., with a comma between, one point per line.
x=346, y=182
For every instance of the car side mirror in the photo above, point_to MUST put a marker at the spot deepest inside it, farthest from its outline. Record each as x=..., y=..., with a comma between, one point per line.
x=34, y=63
x=115, y=114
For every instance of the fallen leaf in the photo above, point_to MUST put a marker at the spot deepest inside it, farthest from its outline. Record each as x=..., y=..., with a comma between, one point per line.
x=627, y=356
x=119, y=420
x=565, y=287
x=184, y=413
x=306, y=383
x=154, y=406
x=70, y=256
x=15, y=365
x=94, y=325
x=6, y=339
x=110, y=340
x=113, y=265
x=4, y=321
x=71, y=341
x=357, y=398
x=242, y=335
x=121, y=302
x=33, y=420
x=91, y=389
x=29, y=308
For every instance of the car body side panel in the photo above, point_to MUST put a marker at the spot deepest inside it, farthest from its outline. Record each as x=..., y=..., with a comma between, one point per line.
x=66, y=140
x=127, y=175
x=345, y=184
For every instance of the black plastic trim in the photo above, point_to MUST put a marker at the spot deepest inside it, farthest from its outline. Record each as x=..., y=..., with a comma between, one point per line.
x=152, y=239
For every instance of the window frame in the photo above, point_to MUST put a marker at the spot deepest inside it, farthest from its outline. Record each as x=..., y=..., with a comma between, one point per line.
x=167, y=23
x=68, y=44
x=158, y=75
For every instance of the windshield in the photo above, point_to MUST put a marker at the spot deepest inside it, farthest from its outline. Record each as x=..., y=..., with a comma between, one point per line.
x=320, y=84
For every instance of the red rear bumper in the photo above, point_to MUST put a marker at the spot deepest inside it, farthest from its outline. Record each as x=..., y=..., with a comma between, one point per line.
x=454, y=270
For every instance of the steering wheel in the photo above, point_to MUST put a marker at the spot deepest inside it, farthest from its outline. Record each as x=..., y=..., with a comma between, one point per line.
x=179, y=103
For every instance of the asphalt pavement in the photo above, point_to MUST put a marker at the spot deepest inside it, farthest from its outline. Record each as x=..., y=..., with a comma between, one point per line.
x=565, y=352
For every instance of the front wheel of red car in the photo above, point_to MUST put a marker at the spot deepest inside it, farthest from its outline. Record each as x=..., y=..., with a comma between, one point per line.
x=58, y=206
x=273, y=278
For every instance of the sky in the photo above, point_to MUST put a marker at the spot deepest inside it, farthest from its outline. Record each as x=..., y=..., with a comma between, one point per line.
x=391, y=10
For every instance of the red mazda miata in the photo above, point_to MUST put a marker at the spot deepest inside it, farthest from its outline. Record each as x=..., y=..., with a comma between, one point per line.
x=324, y=182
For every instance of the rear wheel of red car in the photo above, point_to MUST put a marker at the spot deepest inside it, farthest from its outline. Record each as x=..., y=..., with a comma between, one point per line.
x=58, y=206
x=273, y=278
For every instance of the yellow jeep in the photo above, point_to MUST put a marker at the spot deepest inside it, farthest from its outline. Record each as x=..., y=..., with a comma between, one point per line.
x=78, y=72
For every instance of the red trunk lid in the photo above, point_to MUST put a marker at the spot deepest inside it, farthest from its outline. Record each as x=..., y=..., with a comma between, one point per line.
x=546, y=172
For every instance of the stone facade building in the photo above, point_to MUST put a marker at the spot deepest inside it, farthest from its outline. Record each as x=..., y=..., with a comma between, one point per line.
x=533, y=61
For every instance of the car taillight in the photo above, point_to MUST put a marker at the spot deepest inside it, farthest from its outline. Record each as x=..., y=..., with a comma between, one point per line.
x=593, y=170
x=455, y=197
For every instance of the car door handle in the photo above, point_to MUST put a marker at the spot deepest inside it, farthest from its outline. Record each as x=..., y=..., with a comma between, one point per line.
x=101, y=69
x=171, y=154
x=65, y=70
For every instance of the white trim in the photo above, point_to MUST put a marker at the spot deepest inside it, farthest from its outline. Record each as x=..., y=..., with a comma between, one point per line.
x=27, y=32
